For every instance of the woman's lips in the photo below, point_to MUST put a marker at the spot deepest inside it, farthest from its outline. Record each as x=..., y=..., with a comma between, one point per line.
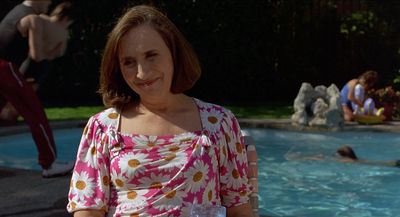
x=148, y=82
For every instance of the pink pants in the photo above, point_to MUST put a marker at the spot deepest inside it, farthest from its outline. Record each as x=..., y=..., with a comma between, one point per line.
x=21, y=95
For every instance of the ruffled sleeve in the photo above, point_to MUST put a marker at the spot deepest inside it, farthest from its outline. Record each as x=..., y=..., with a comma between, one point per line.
x=90, y=182
x=235, y=188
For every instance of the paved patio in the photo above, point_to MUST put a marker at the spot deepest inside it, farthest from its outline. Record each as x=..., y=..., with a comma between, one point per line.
x=26, y=193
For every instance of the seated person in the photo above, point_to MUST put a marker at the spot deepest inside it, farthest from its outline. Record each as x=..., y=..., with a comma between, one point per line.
x=368, y=107
x=348, y=92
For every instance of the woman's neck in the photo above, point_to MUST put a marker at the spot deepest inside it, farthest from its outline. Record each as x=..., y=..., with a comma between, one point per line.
x=170, y=104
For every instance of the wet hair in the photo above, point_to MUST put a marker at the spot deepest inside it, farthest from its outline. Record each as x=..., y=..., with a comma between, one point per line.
x=113, y=88
x=64, y=9
x=370, y=78
x=347, y=151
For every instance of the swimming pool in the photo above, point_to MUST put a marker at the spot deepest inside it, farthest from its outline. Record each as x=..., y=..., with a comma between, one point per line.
x=288, y=188
x=314, y=188
x=19, y=150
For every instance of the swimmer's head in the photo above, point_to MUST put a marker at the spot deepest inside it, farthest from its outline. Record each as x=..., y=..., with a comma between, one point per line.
x=347, y=152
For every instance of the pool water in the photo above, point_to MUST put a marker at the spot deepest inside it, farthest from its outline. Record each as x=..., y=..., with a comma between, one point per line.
x=291, y=187
x=19, y=150
x=288, y=187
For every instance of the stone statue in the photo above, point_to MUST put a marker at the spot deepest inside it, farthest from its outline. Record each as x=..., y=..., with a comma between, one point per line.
x=318, y=107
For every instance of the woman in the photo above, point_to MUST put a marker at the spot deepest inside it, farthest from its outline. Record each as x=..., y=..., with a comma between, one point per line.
x=352, y=94
x=156, y=151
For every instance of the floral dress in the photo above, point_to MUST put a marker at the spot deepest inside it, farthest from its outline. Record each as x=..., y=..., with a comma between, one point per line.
x=143, y=175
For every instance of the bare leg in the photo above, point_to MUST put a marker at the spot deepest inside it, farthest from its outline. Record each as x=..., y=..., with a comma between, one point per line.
x=348, y=114
x=9, y=113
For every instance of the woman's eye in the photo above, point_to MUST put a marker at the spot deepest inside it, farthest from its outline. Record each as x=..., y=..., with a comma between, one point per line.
x=152, y=56
x=129, y=63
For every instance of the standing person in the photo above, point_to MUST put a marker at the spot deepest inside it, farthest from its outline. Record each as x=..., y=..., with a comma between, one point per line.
x=14, y=49
x=352, y=94
x=48, y=37
x=155, y=151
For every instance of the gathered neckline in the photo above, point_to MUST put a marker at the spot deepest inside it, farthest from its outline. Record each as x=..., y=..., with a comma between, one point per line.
x=196, y=132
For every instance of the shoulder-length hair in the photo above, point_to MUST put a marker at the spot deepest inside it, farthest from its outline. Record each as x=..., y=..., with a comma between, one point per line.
x=369, y=77
x=113, y=88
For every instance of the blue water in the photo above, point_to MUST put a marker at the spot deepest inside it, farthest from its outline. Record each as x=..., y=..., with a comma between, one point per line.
x=288, y=187
x=19, y=150
x=291, y=187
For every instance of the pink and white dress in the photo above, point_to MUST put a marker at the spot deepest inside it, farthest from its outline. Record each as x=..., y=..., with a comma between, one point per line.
x=144, y=175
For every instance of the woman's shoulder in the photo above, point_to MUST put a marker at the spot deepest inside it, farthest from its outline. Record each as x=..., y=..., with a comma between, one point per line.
x=208, y=107
x=353, y=82
x=107, y=117
x=215, y=117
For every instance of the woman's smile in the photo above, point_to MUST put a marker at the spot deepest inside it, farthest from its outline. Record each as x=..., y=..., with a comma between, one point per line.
x=148, y=82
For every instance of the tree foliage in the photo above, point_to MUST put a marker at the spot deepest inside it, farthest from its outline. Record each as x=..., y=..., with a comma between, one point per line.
x=255, y=50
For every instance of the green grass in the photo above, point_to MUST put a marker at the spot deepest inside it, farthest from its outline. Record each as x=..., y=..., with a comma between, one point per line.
x=257, y=111
x=262, y=111
x=72, y=113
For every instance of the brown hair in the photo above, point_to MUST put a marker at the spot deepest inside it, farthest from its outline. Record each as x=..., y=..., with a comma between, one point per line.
x=62, y=10
x=113, y=88
x=347, y=151
x=370, y=77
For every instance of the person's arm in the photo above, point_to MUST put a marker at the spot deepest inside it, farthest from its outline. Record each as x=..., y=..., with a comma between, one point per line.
x=89, y=191
x=234, y=196
x=350, y=95
x=300, y=156
x=89, y=213
x=243, y=210
x=35, y=35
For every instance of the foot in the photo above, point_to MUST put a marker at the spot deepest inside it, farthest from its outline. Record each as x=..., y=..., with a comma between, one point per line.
x=58, y=169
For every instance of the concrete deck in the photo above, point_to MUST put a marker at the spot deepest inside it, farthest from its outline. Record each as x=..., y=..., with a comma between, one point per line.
x=26, y=193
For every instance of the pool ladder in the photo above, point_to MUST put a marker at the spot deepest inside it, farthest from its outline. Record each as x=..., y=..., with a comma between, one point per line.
x=252, y=171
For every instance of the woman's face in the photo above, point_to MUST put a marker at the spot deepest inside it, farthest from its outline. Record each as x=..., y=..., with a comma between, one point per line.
x=146, y=62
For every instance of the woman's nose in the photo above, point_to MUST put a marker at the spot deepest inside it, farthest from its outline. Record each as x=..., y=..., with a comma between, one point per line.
x=142, y=71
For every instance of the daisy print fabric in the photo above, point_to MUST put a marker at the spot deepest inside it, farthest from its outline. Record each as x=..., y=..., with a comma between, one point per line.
x=144, y=175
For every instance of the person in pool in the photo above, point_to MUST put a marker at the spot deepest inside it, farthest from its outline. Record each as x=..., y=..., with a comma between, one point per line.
x=347, y=154
x=344, y=154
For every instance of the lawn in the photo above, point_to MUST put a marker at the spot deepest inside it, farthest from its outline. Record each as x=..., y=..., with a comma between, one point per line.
x=256, y=111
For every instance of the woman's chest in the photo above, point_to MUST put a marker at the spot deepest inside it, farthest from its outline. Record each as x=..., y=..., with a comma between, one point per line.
x=161, y=124
x=143, y=162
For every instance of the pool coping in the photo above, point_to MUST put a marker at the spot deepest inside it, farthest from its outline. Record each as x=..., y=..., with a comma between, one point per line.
x=286, y=124
x=21, y=127
x=283, y=124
